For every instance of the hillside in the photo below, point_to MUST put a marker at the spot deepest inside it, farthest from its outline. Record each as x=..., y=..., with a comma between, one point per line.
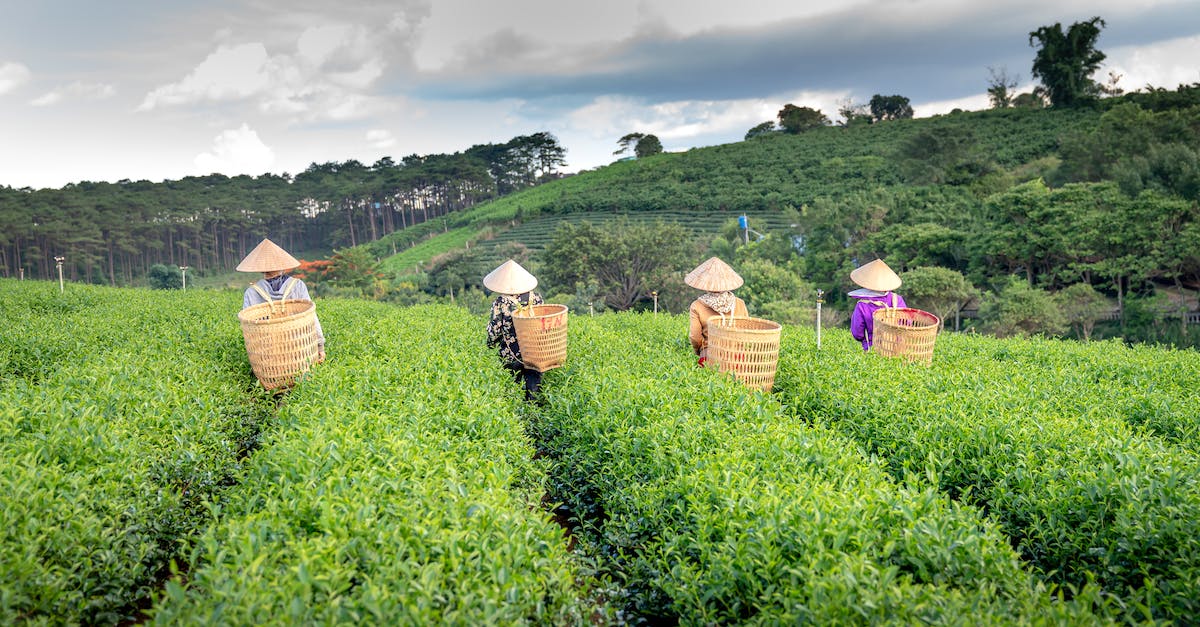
x=779, y=171
x=1106, y=198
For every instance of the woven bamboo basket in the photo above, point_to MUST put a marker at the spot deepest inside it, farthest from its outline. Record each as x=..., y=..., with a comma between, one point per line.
x=281, y=340
x=906, y=333
x=747, y=347
x=542, y=335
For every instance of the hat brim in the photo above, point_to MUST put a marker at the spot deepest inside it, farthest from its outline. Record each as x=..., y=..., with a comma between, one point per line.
x=268, y=257
x=714, y=275
x=510, y=278
x=875, y=275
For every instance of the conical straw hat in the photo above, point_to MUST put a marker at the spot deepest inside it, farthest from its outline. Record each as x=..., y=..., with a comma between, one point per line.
x=510, y=278
x=713, y=275
x=876, y=276
x=268, y=257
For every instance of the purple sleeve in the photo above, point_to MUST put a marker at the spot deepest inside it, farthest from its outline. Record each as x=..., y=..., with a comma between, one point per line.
x=858, y=322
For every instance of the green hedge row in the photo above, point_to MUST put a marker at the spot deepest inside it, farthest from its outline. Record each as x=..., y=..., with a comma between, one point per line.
x=398, y=487
x=710, y=504
x=121, y=414
x=1038, y=434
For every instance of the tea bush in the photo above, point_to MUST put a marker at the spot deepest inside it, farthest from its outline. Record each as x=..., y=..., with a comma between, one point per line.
x=1093, y=482
x=119, y=419
x=715, y=505
x=397, y=488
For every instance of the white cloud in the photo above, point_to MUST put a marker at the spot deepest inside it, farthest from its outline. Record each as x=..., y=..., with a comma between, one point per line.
x=1158, y=64
x=12, y=76
x=230, y=73
x=684, y=120
x=236, y=151
x=380, y=138
x=326, y=78
x=978, y=102
x=78, y=90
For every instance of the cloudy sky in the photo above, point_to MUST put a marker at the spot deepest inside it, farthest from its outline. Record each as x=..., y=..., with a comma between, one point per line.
x=147, y=89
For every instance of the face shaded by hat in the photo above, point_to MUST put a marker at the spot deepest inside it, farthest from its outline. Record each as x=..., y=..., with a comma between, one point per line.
x=268, y=257
x=713, y=275
x=510, y=278
x=876, y=276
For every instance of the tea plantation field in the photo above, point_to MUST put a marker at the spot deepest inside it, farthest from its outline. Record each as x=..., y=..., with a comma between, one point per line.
x=145, y=477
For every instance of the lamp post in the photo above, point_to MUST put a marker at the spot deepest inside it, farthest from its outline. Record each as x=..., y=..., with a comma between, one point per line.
x=58, y=261
x=655, y=295
x=183, y=271
x=820, y=300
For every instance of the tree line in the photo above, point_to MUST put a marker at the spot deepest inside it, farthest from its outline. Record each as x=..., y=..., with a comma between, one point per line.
x=115, y=232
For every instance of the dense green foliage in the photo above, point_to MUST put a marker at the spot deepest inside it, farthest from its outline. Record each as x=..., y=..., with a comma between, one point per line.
x=122, y=414
x=713, y=505
x=1085, y=454
x=397, y=487
x=626, y=260
x=404, y=481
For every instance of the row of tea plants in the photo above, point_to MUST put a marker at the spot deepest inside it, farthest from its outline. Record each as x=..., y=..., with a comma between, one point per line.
x=397, y=487
x=1084, y=454
x=122, y=413
x=710, y=504
x=146, y=475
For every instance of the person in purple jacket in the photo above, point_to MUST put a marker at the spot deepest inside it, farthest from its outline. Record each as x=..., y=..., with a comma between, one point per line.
x=876, y=281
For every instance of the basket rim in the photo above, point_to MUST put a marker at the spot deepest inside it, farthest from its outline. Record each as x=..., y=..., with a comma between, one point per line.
x=519, y=313
x=933, y=318
x=716, y=320
x=244, y=314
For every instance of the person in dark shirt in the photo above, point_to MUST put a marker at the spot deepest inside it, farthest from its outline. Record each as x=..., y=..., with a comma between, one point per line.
x=513, y=285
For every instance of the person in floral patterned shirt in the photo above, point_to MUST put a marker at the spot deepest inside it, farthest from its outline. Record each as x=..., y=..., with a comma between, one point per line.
x=514, y=288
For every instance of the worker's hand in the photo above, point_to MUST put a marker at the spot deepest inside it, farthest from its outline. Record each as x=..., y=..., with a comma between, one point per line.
x=320, y=354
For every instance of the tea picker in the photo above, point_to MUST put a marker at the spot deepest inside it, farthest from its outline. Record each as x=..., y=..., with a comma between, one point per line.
x=883, y=322
x=876, y=281
x=279, y=319
x=723, y=334
x=530, y=336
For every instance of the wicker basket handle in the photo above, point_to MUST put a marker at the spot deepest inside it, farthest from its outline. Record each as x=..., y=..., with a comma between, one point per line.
x=288, y=286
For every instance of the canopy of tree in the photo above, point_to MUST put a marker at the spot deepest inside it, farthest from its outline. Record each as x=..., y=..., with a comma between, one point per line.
x=1066, y=61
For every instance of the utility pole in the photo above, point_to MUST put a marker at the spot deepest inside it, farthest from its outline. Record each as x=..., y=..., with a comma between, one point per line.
x=59, y=262
x=820, y=300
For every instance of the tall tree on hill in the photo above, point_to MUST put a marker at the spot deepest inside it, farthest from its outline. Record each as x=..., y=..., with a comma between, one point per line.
x=549, y=155
x=627, y=141
x=853, y=113
x=1000, y=87
x=795, y=119
x=1066, y=61
x=760, y=130
x=647, y=146
x=643, y=144
x=890, y=108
